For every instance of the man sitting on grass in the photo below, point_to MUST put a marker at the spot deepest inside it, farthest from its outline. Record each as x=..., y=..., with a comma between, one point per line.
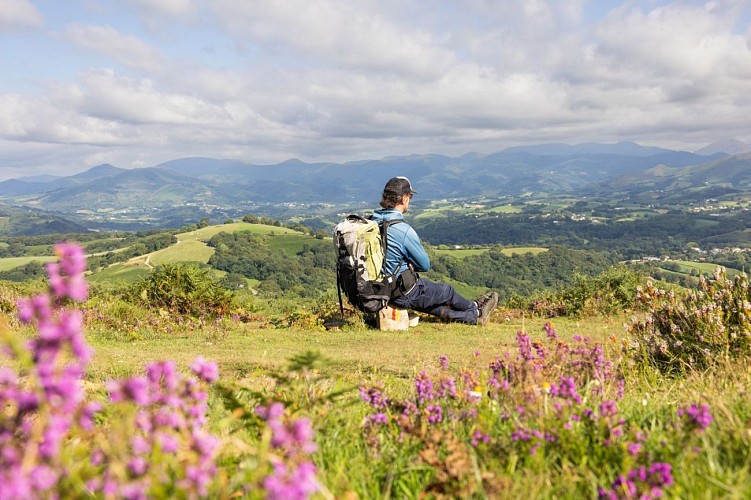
x=405, y=251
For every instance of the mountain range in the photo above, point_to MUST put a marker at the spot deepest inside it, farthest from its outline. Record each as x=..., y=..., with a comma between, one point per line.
x=589, y=168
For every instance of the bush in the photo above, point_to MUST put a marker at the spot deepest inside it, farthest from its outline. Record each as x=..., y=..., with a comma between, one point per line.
x=609, y=292
x=182, y=289
x=693, y=330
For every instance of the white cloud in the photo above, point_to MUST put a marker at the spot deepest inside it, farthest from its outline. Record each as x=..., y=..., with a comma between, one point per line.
x=53, y=119
x=139, y=101
x=126, y=50
x=18, y=14
x=322, y=32
x=328, y=80
x=673, y=42
x=167, y=8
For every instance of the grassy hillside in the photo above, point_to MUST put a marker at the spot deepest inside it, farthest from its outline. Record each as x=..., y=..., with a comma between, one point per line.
x=460, y=253
x=13, y=262
x=192, y=247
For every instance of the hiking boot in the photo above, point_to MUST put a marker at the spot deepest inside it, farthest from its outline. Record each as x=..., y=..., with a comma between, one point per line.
x=482, y=299
x=486, y=304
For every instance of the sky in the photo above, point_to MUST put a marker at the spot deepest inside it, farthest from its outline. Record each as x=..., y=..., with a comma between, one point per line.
x=136, y=83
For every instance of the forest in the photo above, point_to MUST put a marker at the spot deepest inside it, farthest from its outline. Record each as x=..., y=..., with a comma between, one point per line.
x=660, y=234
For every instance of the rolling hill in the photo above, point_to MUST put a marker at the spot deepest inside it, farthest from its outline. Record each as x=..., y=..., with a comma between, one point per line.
x=186, y=189
x=15, y=221
x=730, y=174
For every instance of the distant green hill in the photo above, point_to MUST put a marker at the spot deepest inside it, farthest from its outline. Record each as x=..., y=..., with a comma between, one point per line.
x=715, y=179
x=192, y=246
x=15, y=221
x=182, y=190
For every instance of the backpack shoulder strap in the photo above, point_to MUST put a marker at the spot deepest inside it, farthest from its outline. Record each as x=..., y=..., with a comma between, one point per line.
x=384, y=242
x=384, y=230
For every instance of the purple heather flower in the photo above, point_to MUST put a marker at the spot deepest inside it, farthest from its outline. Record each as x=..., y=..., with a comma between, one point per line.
x=140, y=445
x=624, y=486
x=272, y=412
x=133, y=491
x=66, y=277
x=446, y=387
x=205, y=370
x=661, y=474
x=138, y=466
x=566, y=389
x=377, y=418
x=443, y=362
x=38, y=307
x=550, y=331
x=633, y=448
x=200, y=477
x=162, y=373
x=435, y=413
x=167, y=442
x=72, y=258
x=608, y=408
x=134, y=389
x=521, y=434
x=374, y=397
x=291, y=484
x=204, y=443
x=525, y=345
x=43, y=478
x=697, y=417
x=479, y=437
x=424, y=388
x=409, y=408
x=641, y=482
x=302, y=430
x=56, y=430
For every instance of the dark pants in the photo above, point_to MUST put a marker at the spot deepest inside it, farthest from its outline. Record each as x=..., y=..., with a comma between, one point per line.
x=438, y=299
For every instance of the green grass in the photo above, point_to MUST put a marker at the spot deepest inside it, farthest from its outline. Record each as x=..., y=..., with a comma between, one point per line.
x=9, y=263
x=431, y=213
x=118, y=273
x=291, y=244
x=244, y=349
x=706, y=222
x=192, y=247
x=185, y=250
x=460, y=253
x=523, y=250
x=505, y=209
x=205, y=234
x=704, y=466
x=702, y=267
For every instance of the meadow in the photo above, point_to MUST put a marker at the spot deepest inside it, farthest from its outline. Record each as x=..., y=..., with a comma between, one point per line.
x=613, y=388
x=460, y=253
x=266, y=402
x=13, y=262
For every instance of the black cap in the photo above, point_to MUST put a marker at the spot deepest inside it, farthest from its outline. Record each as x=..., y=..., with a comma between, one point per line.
x=399, y=185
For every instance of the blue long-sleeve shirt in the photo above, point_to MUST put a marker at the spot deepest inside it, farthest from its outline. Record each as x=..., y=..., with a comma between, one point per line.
x=403, y=244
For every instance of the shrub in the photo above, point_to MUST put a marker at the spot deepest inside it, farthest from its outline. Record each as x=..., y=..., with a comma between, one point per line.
x=182, y=289
x=611, y=291
x=695, y=329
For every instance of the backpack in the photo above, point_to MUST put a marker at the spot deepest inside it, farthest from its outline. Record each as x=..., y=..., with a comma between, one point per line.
x=360, y=245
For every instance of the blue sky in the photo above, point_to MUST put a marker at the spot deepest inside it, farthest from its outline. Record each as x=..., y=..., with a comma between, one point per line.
x=139, y=82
